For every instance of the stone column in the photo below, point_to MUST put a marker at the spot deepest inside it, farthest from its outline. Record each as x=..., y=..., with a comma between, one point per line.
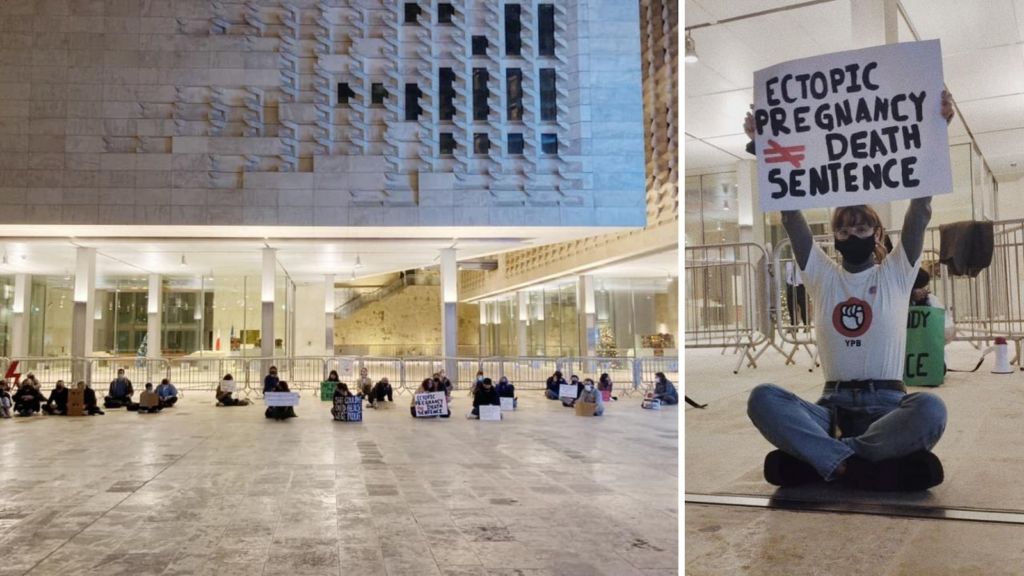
x=329, y=306
x=82, y=315
x=20, y=312
x=587, y=315
x=749, y=214
x=523, y=316
x=449, y=319
x=268, y=291
x=154, y=336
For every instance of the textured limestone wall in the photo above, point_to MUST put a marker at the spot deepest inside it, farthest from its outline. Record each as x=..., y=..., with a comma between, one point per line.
x=226, y=113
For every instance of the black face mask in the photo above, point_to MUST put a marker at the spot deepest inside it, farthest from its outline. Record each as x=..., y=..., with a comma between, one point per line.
x=855, y=249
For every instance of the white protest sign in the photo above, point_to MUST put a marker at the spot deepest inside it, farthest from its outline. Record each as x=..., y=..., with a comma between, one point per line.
x=227, y=385
x=490, y=412
x=567, y=390
x=857, y=127
x=431, y=404
x=281, y=398
x=508, y=404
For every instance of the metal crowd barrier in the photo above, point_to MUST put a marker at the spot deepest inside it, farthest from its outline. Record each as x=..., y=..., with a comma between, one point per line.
x=726, y=298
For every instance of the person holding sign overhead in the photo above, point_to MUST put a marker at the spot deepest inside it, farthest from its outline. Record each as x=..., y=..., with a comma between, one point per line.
x=865, y=430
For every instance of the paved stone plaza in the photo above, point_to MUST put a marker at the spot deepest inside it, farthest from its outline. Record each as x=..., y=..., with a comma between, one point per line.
x=204, y=490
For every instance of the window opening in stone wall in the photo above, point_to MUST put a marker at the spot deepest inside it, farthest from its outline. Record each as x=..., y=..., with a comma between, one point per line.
x=516, y=144
x=377, y=94
x=546, y=29
x=445, y=13
x=549, y=143
x=344, y=93
x=412, y=102
x=480, y=44
x=481, y=143
x=548, y=95
x=514, y=84
x=446, y=104
x=447, y=143
x=513, y=30
x=480, y=93
x=412, y=13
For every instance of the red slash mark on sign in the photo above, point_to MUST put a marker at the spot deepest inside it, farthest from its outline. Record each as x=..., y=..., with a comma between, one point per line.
x=778, y=153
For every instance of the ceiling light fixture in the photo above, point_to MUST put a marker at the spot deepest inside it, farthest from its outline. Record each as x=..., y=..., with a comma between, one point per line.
x=691, y=50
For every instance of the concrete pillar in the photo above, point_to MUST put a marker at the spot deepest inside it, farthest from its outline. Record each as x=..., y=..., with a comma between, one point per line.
x=154, y=335
x=268, y=291
x=585, y=307
x=485, y=336
x=449, y=319
x=522, y=317
x=82, y=315
x=329, y=306
x=20, y=312
x=750, y=216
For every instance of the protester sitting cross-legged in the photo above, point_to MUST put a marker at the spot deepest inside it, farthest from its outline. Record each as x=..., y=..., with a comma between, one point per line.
x=57, y=403
x=224, y=396
x=27, y=399
x=428, y=385
x=120, y=393
x=865, y=430
x=364, y=386
x=92, y=406
x=338, y=408
x=167, y=393
x=591, y=394
x=382, y=390
x=604, y=385
x=568, y=402
x=280, y=412
x=149, y=402
x=6, y=402
x=664, y=390
x=507, y=390
x=486, y=395
x=553, y=383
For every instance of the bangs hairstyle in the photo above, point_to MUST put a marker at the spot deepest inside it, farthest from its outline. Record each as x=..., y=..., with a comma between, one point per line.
x=861, y=214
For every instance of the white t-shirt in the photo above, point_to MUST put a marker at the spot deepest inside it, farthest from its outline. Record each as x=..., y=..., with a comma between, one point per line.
x=861, y=319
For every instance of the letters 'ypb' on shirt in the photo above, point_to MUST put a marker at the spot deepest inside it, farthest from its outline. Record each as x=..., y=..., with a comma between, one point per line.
x=861, y=318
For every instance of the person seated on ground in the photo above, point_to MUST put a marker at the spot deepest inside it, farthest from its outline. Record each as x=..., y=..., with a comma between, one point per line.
x=224, y=396
x=280, y=412
x=30, y=379
x=604, y=385
x=554, y=381
x=570, y=402
x=507, y=390
x=922, y=296
x=57, y=403
x=27, y=399
x=92, y=406
x=6, y=403
x=338, y=409
x=865, y=430
x=476, y=382
x=271, y=380
x=149, y=402
x=120, y=393
x=428, y=385
x=591, y=394
x=664, y=390
x=364, y=386
x=486, y=395
x=446, y=384
x=167, y=393
x=382, y=390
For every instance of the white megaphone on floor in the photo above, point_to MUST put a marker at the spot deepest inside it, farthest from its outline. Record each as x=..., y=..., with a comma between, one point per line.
x=1002, y=357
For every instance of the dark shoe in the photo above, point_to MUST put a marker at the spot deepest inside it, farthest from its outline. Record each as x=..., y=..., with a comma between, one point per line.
x=911, y=473
x=782, y=469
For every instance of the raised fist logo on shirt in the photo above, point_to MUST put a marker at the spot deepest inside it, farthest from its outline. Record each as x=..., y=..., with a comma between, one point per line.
x=852, y=318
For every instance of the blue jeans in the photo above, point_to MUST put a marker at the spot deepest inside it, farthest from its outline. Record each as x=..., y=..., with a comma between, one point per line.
x=900, y=424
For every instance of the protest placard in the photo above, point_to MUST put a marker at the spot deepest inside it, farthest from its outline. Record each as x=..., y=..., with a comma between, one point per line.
x=490, y=413
x=227, y=385
x=925, y=361
x=327, y=390
x=508, y=404
x=568, y=390
x=281, y=398
x=852, y=127
x=431, y=404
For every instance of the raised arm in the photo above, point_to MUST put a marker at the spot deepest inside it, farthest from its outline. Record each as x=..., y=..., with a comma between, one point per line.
x=792, y=220
x=915, y=222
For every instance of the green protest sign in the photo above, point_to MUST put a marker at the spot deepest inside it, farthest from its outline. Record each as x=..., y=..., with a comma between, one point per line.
x=925, y=361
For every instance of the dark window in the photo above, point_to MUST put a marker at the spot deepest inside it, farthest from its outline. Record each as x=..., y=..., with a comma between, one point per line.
x=546, y=26
x=481, y=143
x=447, y=143
x=513, y=30
x=514, y=82
x=344, y=93
x=479, y=45
x=446, y=105
x=377, y=93
x=549, y=143
x=516, y=144
x=445, y=12
x=412, y=102
x=412, y=12
x=480, y=93
x=548, y=95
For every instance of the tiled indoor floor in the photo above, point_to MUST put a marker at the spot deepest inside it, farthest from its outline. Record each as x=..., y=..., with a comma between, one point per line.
x=981, y=451
x=220, y=491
